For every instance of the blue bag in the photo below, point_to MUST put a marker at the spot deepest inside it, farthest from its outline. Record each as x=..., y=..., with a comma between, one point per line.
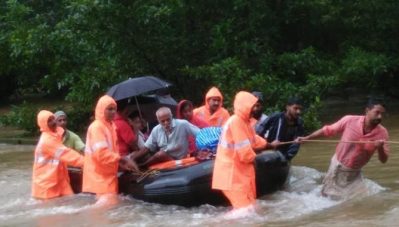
x=208, y=138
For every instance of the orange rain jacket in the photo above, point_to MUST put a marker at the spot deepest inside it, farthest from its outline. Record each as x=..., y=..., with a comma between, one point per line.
x=101, y=153
x=218, y=118
x=50, y=174
x=234, y=165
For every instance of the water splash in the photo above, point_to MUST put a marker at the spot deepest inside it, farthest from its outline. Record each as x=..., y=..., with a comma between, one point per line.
x=300, y=198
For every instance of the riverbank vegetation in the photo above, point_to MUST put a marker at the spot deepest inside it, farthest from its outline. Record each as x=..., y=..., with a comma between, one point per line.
x=77, y=49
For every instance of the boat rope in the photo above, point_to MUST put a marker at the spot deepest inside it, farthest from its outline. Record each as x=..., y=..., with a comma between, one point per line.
x=144, y=175
x=340, y=141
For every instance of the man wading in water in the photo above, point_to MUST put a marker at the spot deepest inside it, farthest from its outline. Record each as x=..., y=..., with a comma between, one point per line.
x=361, y=137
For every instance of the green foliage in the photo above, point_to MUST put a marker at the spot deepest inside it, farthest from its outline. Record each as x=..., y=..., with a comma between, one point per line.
x=77, y=49
x=311, y=116
x=22, y=116
x=364, y=68
x=225, y=75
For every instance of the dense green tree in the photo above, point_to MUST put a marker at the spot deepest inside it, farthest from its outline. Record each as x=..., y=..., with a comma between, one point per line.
x=77, y=49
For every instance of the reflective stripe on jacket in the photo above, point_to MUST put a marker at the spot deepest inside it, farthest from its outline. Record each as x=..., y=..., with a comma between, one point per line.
x=101, y=153
x=234, y=164
x=50, y=174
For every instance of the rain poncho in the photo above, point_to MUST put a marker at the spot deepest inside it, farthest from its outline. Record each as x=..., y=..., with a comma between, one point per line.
x=101, y=154
x=50, y=174
x=219, y=117
x=234, y=171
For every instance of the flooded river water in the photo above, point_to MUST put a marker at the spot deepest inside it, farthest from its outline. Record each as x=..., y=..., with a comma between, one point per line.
x=300, y=204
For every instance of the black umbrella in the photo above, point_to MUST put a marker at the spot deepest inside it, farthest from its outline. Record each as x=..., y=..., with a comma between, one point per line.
x=147, y=106
x=136, y=86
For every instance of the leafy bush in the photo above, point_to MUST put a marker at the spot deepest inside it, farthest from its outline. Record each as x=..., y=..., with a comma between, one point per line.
x=76, y=49
x=22, y=116
x=364, y=68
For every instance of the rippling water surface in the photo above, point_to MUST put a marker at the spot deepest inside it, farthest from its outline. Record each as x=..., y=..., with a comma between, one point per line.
x=300, y=204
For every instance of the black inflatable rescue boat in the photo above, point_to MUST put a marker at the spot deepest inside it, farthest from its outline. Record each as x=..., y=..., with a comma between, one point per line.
x=191, y=185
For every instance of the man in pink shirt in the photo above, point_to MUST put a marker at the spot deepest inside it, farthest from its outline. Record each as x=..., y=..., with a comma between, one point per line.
x=127, y=139
x=361, y=137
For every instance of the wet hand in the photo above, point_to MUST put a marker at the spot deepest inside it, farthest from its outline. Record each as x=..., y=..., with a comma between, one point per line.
x=129, y=165
x=275, y=144
x=300, y=139
x=379, y=144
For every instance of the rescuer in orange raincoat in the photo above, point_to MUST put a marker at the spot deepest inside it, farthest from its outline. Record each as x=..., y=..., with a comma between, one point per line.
x=234, y=171
x=50, y=177
x=212, y=112
x=101, y=154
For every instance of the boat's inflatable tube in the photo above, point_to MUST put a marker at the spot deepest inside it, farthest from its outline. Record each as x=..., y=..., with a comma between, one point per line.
x=191, y=185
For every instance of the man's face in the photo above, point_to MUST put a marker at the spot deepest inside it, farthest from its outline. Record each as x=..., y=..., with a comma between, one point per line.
x=257, y=110
x=62, y=121
x=375, y=114
x=110, y=112
x=214, y=103
x=187, y=112
x=294, y=111
x=165, y=120
x=52, y=124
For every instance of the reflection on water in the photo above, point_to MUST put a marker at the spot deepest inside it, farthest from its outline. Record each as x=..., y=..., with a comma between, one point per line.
x=300, y=204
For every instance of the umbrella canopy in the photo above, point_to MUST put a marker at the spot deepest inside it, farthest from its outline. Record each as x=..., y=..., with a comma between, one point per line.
x=147, y=105
x=136, y=86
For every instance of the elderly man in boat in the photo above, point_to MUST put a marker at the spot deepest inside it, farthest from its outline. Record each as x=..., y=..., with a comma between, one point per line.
x=168, y=140
x=361, y=137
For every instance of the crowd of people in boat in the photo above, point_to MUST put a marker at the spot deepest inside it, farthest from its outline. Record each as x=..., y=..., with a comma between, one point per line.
x=115, y=141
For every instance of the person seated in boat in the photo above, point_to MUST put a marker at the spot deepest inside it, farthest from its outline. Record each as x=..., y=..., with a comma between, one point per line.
x=361, y=136
x=102, y=159
x=258, y=114
x=285, y=126
x=184, y=110
x=137, y=123
x=69, y=138
x=127, y=138
x=168, y=140
x=50, y=177
x=212, y=112
x=234, y=170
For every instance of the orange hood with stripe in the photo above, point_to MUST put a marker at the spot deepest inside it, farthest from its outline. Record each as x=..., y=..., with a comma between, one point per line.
x=50, y=175
x=101, y=152
x=234, y=164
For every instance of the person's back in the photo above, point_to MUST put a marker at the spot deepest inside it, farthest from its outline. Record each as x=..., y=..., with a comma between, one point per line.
x=213, y=112
x=127, y=138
